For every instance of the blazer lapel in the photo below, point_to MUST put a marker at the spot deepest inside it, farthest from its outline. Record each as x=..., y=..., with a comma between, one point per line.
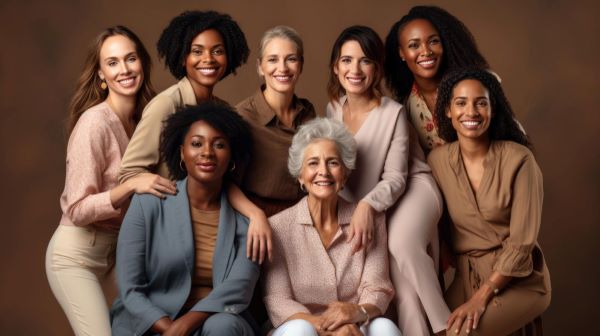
x=222, y=257
x=180, y=218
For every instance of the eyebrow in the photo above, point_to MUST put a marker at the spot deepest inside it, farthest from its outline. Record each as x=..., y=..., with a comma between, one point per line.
x=464, y=97
x=418, y=39
x=116, y=58
x=202, y=46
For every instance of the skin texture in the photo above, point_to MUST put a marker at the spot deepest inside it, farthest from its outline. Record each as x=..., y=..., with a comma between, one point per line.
x=121, y=69
x=206, y=63
x=356, y=74
x=422, y=50
x=471, y=113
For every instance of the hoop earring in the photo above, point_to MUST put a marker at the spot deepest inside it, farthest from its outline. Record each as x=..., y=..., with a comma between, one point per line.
x=302, y=187
x=232, y=168
x=103, y=85
x=181, y=165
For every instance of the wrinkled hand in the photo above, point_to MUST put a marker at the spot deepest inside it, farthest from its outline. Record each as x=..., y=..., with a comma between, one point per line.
x=258, y=243
x=467, y=316
x=338, y=314
x=148, y=183
x=347, y=330
x=362, y=226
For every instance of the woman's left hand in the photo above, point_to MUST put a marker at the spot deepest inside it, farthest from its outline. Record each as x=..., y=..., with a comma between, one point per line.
x=362, y=226
x=468, y=314
x=187, y=323
x=258, y=243
x=338, y=314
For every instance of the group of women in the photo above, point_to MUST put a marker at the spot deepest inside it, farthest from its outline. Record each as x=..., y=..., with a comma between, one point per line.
x=343, y=211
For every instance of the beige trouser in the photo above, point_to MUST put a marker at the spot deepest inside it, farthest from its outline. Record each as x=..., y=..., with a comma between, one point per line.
x=80, y=268
x=412, y=226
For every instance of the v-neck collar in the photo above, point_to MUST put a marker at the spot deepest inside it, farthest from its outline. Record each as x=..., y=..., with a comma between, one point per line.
x=369, y=113
x=458, y=165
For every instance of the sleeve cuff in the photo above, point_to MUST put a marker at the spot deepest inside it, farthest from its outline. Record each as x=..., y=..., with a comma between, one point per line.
x=514, y=261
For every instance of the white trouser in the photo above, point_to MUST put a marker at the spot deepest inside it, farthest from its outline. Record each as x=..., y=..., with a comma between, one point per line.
x=80, y=269
x=378, y=327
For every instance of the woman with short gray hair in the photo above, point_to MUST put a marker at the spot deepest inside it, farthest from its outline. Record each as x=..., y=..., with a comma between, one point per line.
x=315, y=284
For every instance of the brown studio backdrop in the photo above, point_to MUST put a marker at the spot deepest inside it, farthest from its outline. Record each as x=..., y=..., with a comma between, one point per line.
x=545, y=52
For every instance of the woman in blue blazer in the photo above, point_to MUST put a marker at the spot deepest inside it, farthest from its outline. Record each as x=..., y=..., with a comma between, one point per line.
x=181, y=260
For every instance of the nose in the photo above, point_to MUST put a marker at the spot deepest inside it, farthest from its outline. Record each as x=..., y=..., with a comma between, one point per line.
x=207, y=151
x=282, y=65
x=208, y=57
x=426, y=50
x=323, y=169
x=355, y=66
x=471, y=110
x=124, y=67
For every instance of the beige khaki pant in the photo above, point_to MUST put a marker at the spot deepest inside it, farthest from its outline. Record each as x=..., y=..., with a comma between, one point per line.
x=80, y=269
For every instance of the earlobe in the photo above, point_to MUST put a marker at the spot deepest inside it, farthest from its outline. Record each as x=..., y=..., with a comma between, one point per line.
x=258, y=69
x=401, y=54
x=100, y=74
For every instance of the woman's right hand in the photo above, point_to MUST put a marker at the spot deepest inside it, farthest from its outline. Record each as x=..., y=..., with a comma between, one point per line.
x=148, y=183
x=347, y=330
x=362, y=226
x=161, y=325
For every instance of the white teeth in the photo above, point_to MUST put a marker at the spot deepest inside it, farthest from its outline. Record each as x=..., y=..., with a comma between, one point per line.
x=283, y=78
x=126, y=82
x=430, y=62
x=354, y=80
x=470, y=123
x=208, y=71
x=323, y=184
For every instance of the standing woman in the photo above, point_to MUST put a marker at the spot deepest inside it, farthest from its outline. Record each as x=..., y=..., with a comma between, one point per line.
x=493, y=188
x=111, y=93
x=420, y=49
x=200, y=49
x=390, y=177
x=274, y=113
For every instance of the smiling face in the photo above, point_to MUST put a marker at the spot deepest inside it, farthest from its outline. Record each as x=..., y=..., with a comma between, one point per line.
x=470, y=110
x=323, y=173
x=206, y=63
x=355, y=72
x=206, y=153
x=421, y=48
x=280, y=65
x=120, y=66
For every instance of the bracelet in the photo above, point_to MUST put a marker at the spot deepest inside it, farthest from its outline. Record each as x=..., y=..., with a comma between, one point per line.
x=364, y=311
x=493, y=286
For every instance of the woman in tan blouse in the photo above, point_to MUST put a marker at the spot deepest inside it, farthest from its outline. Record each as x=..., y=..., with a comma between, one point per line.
x=274, y=113
x=316, y=284
x=493, y=189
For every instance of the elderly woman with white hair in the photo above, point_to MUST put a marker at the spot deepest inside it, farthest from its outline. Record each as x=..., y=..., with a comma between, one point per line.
x=315, y=284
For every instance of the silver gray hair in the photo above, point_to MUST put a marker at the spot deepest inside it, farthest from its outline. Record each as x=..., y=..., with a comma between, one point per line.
x=283, y=32
x=320, y=129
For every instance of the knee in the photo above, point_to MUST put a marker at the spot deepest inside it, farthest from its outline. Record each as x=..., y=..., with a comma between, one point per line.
x=296, y=328
x=383, y=326
x=225, y=324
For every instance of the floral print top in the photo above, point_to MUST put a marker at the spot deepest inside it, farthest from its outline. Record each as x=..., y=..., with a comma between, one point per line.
x=422, y=119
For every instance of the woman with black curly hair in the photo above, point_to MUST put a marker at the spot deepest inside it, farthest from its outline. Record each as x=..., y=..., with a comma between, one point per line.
x=493, y=189
x=200, y=49
x=420, y=48
x=181, y=261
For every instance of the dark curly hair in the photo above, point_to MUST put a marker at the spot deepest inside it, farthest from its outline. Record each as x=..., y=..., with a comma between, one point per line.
x=371, y=44
x=218, y=115
x=175, y=41
x=503, y=125
x=460, y=48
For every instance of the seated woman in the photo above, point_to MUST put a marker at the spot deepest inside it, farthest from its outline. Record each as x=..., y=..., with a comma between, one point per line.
x=493, y=190
x=315, y=283
x=181, y=261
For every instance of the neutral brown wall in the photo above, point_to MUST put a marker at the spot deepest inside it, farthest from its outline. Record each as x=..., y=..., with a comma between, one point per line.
x=545, y=51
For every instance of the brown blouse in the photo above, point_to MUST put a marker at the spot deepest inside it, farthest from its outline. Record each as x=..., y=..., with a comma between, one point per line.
x=205, y=228
x=266, y=181
x=502, y=220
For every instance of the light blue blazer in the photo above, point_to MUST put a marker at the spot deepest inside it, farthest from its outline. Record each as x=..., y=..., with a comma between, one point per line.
x=155, y=263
